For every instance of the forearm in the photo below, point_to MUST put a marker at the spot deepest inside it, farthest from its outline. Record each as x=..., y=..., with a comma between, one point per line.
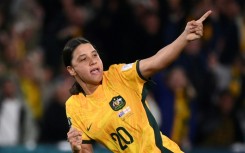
x=82, y=151
x=168, y=54
x=76, y=151
x=163, y=57
x=86, y=148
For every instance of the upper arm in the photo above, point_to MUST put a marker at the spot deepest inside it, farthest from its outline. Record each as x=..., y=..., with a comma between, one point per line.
x=163, y=57
x=147, y=68
x=87, y=148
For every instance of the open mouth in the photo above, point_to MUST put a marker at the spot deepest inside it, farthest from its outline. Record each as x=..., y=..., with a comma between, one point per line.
x=95, y=71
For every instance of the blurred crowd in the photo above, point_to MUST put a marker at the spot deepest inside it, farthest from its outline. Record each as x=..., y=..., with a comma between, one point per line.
x=198, y=101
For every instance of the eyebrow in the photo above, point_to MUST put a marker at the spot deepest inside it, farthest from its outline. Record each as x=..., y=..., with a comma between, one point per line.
x=94, y=51
x=79, y=56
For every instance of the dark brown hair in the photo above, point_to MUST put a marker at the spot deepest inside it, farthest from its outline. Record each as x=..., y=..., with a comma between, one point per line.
x=67, y=56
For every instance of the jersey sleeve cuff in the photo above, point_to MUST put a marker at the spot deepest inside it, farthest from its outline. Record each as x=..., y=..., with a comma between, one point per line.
x=150, y=81
x=88, y=141
x=138, y=71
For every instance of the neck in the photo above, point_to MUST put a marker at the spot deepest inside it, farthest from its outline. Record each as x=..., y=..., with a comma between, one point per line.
x=88, y=88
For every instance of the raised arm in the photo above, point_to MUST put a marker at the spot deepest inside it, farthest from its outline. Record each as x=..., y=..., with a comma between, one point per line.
x=157, y=62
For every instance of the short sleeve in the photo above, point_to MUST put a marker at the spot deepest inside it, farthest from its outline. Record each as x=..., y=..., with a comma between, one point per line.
x=129, y=74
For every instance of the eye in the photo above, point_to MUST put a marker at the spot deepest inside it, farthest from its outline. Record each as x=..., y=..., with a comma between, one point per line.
x=95, y=55
x=82, y=59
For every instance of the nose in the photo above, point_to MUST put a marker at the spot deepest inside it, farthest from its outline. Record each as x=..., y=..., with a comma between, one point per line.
x=92, y=61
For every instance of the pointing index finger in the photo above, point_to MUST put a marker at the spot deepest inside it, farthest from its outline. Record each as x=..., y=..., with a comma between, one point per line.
x=204, y=16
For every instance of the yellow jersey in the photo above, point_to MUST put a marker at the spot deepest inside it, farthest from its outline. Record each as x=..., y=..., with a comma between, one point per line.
x=116, y=114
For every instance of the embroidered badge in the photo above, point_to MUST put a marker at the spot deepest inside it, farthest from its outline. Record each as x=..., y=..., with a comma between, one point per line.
x=117, y=103
x=124, y=112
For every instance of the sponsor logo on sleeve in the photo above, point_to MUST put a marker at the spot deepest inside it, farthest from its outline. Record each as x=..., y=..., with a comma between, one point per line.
x=127, y=66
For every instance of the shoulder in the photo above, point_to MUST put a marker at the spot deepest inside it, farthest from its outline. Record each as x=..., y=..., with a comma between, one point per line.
x=69, y=100
x=74, y=100
x=122, y=67
x=115, y=67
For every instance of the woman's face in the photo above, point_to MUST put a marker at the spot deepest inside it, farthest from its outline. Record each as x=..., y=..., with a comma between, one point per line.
x=86, y=65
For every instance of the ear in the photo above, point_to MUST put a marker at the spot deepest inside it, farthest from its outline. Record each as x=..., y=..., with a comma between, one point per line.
x=71, y=70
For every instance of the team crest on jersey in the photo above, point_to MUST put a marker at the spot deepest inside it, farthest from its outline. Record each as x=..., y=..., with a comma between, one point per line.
x=117, y=103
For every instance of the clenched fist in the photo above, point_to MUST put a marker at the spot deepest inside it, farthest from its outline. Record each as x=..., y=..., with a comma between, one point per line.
x=75, y=138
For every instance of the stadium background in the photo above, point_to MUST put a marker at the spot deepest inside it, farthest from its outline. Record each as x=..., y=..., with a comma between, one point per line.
x=198, y=101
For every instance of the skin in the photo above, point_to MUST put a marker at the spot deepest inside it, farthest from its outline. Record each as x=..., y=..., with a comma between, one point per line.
x=87, y=68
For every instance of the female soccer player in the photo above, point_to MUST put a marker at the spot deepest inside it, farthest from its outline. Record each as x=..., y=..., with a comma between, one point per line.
x=109, y=107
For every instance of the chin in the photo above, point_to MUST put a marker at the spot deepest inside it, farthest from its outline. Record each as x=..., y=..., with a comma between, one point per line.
x=97, y=80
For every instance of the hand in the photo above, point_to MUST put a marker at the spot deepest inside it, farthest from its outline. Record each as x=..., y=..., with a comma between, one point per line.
x=194, y=29
x=75, y=138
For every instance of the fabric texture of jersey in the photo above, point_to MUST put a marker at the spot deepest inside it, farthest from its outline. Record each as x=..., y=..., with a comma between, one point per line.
x=116, y=114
